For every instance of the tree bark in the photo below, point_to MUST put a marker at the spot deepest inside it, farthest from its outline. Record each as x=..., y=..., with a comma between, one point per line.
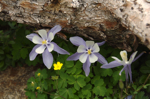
x=122, y=23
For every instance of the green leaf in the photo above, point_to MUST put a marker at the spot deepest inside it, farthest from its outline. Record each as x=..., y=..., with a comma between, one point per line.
x=16, y=54
x=23, y=53
x=42, y=96
x=78, y=64
x=147, y=63
x=140, y=95
x=71, y=70
x=31, y=85
x=105, y=72
x=62, y=83
x=76, y=86
x=145, y=69
x=44, y=85
x=30, y=94
x=43, y=74
x=71, y=80
x=66, y=93
x=81, y=82
x=94, y=79
x=1, y=51
x=69, y=64
x=117, y=77
x=11, y=42
x=99, y=90
x=99, y=82
x=1, y=64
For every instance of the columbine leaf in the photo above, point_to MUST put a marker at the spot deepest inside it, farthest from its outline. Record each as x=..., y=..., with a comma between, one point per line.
x=76, y=86
x=78, y=64
x=23, y=53
x=81, y=82
x=69, y=64
x=145, y=69
x=140, y=95
x=66, y=93
x=30, y=94
x=105, y=72
x=71, y=80
x=42, y=96
x=71, y=70
x=62, y=83
x=99, y=82
x=43, y=74
x=94, y=79
x=99, y=90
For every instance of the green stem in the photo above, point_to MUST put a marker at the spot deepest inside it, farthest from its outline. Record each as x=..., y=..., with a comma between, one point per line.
x=142, y=85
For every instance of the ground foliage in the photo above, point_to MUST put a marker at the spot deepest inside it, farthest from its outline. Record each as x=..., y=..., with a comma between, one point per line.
x=70, y=82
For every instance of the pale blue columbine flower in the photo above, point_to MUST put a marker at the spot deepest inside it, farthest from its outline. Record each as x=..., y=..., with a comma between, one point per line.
x=124, y=62
x=45, y=45
x=87, y=53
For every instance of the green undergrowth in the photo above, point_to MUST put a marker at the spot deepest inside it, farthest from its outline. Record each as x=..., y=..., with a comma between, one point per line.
x=70, y=82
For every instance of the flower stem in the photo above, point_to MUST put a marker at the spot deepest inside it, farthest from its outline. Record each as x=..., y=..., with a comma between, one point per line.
x=142, y=85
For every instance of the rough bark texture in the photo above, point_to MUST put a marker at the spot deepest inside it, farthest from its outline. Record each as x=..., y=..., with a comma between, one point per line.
x=117, y=21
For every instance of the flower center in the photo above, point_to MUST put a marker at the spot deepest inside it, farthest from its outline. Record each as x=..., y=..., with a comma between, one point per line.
x=44, y=42
x=89, y=51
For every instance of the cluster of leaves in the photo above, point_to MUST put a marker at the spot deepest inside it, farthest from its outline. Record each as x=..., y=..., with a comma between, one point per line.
x=15, y=47
x=70, y=82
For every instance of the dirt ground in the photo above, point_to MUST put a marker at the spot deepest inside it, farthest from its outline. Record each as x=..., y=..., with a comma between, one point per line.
x=13, y=81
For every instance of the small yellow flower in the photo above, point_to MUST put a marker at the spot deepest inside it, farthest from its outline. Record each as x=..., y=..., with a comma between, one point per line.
x=32, y=83
x=37, y=88
x=58, y=66
x=38, y=74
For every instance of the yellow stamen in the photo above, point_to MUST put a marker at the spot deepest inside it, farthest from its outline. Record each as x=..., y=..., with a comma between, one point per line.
x=44, y=42
x=89, y=52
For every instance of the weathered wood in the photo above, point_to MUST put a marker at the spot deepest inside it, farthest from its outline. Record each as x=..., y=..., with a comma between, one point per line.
x=117, y=21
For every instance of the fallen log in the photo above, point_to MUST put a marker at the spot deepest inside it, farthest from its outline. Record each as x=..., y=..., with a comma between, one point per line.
x=122, y=23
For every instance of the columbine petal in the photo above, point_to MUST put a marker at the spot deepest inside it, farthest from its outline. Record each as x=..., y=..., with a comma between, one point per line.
x=74, y=56
x=58, y=49
x=123, y=55
x=81, y=49
x=30, y=36
x=83, y=57
x=93, y=58
x=111, y=64
x=86, y=67
x=37, y=40
x=115, y=58
x=101, y=59
x=47, y=59
x=132, y=57
x=126, y=73
x=96, y=48
x=89, y=44
x=77, y=41
x=125, y=66
x=130, y=73
x=50, y=47
x=33, y=54
x=43, y=34
x=50, y=36
x=40, y=49
x=138, y=56
x=55, y=29
x=101, y=43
